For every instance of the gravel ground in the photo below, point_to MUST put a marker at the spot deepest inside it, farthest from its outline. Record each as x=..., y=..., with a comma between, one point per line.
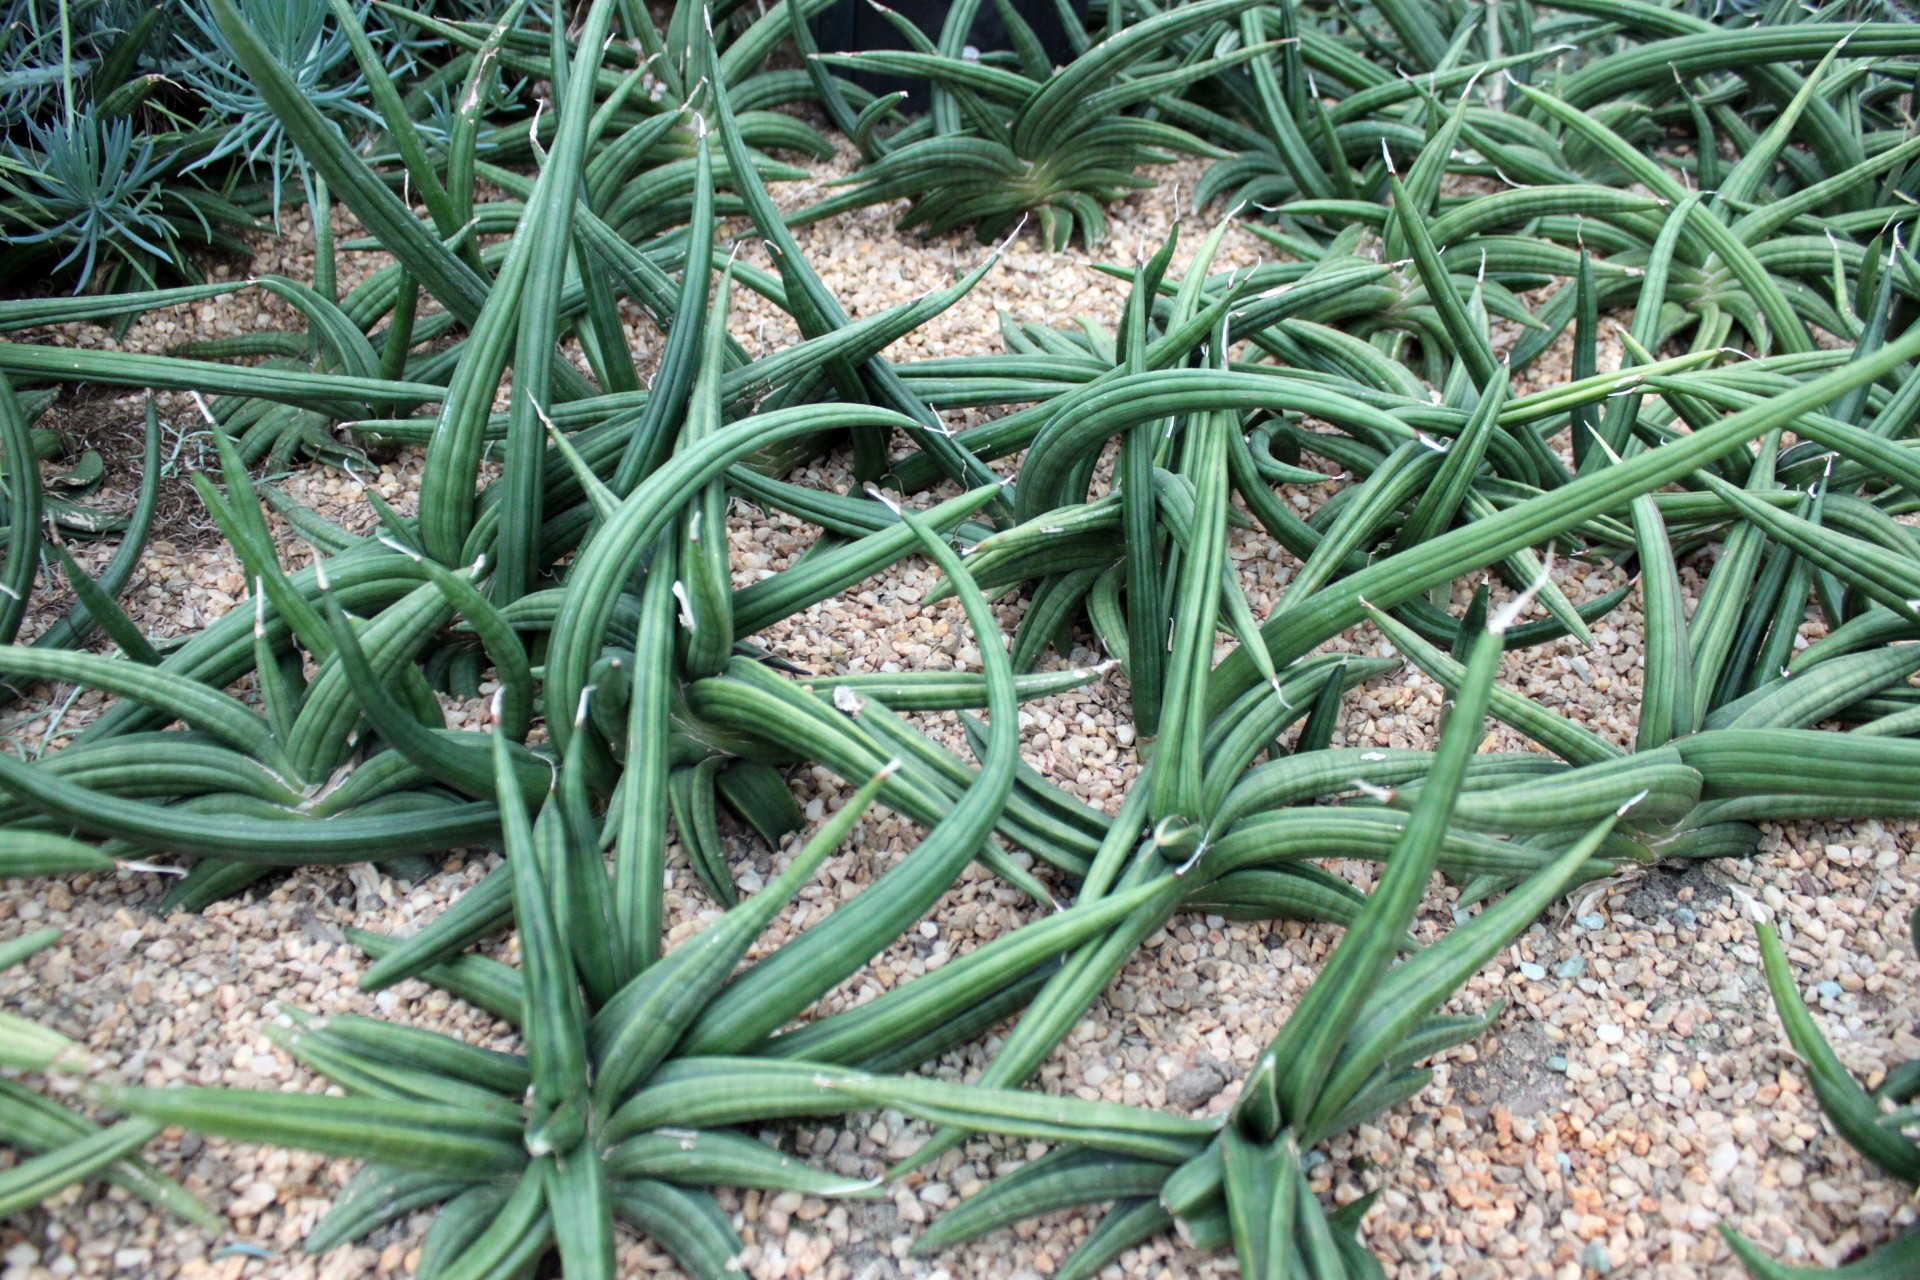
x=1635, y=1092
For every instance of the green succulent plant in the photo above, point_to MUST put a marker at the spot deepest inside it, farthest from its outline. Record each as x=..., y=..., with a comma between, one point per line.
x=1877, y=1124
x=1000, y=144
x=1757, y=433
x=54, y=1146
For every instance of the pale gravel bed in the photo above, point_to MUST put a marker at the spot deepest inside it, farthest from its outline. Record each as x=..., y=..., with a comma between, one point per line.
x=1635, y=1093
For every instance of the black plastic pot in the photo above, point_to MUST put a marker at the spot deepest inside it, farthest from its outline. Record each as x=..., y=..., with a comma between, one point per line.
x=853, y=25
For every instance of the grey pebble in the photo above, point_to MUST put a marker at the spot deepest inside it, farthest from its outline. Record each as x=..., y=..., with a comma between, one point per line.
x=1557, y=1063
x=1194, y=1087
x=1684, y=917
x=1593, y=921
x=1571, y=967
x=1313, y=1159
x=1828, y=990
x=1596, y=1258
x=1532, y=972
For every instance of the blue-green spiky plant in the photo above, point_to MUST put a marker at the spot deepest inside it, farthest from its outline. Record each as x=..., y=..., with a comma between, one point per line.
x=314, y=51
x=86, y=188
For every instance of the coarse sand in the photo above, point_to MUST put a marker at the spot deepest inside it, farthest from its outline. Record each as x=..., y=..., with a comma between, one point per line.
x=1635, y=1093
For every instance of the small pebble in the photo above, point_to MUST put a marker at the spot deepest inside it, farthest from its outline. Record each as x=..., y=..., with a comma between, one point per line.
x=1571, y=967
x=1557, y=1063
x=1593, y=921
x=1828, y=990
x=1684, y=917
x=1533, y=972
x=1194, y=1087
x=1596, y=1258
